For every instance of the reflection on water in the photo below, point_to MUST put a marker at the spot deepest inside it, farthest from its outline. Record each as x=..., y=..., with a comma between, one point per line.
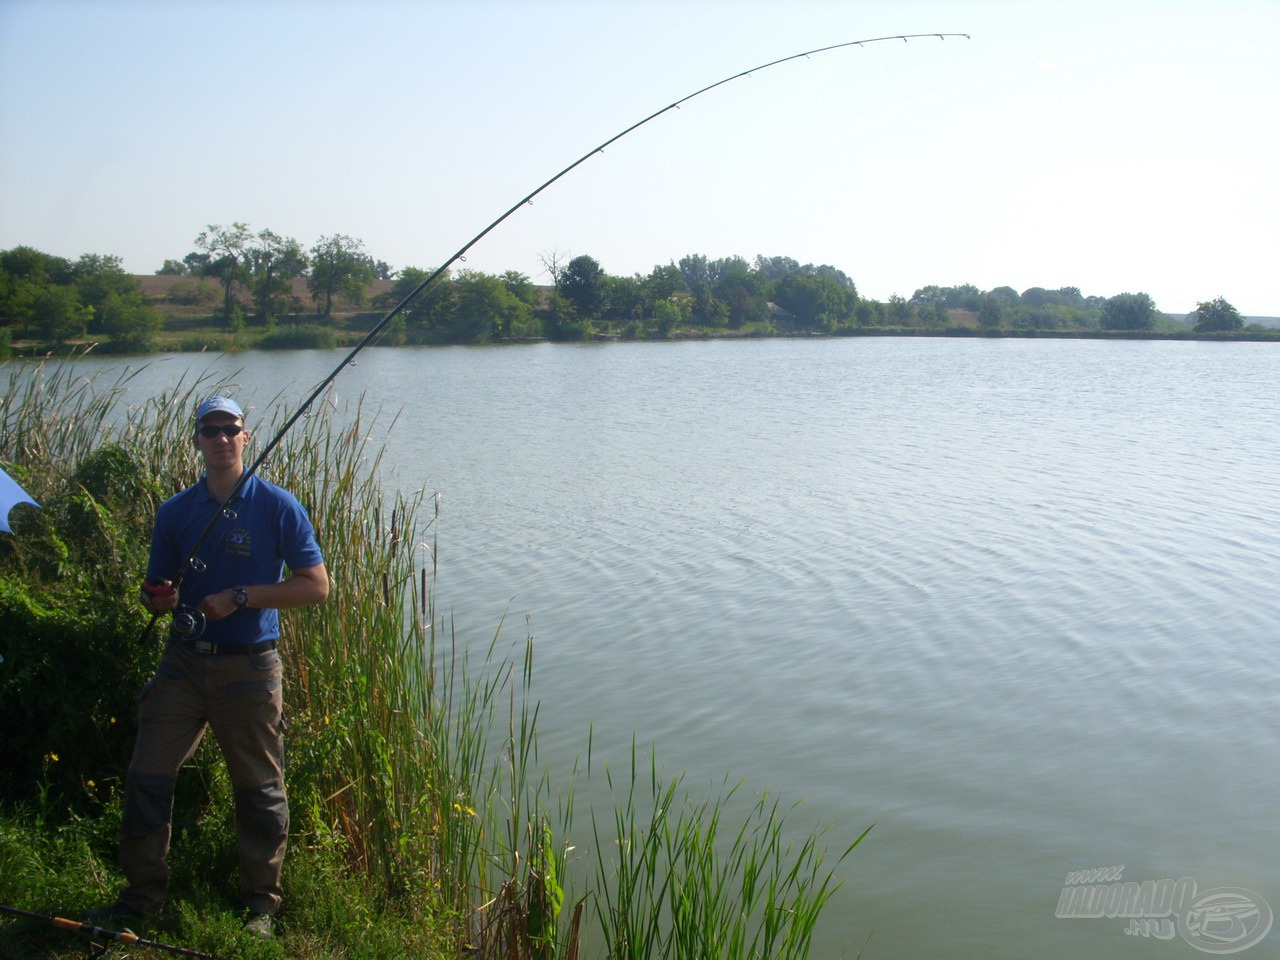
x=1013, y=601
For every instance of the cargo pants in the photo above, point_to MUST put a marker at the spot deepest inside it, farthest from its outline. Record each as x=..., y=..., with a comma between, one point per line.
x=239, y=697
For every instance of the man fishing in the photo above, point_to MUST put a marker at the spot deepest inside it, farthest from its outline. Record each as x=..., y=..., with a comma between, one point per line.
x=221, y=668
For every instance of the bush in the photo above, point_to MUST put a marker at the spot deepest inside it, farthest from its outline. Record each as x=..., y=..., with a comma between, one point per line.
x=307, y=338
x=73, y=663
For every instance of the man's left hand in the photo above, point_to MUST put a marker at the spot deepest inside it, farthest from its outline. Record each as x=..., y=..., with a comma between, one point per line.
x=218, y=605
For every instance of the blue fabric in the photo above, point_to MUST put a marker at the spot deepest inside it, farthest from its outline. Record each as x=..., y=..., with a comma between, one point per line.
x=270, y=530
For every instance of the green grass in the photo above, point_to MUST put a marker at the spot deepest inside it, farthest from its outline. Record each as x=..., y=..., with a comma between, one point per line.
x=422, y=825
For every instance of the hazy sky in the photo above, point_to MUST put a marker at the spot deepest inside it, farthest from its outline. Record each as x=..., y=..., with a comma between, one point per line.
x=1114, y=146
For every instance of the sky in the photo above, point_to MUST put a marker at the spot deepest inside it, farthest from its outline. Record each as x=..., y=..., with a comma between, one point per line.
x=1121, y=146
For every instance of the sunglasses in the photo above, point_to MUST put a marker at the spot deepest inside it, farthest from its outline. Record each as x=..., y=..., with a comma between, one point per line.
x=228, y=429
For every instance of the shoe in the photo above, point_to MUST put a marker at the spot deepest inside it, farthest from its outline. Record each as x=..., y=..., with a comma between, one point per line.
x=259, y=925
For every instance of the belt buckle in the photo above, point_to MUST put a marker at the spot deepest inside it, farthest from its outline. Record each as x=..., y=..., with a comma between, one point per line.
x=204, y=646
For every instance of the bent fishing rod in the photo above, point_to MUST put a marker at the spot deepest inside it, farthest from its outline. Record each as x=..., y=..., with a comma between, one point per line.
x=126, y=937
x=193, y=562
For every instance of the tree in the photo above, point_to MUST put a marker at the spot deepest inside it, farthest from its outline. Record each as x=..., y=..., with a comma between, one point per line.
x=24, y=274
x=195, y=263
x=1037, y=297
x=625, y=298
x=695, y=271
x=128, y=321
x=429, y=310
x=582, y=284
x=274, y=261
x=519, y=284
x=741, y=290
x=28, y=263
x=964, y=297
x=1128, y=311
x=173, y=268
x=666, y=316
x=664, y=282
x=222, y=255
x=900, y=311
x=58, y=314
x=708, y=309
x=775, y=268
x=992, y=311
x=553, y=261
x=821, y=301
x=485, y=309
x=97, y=277
x=560, y=321
x=1214, y=315
x=869, y=313
x=931, y=294
x=339, y=267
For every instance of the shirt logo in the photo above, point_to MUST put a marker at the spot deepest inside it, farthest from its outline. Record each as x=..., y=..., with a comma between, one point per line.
x=239, y=542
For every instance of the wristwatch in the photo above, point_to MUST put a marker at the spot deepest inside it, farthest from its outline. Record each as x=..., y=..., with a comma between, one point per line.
x=240, y=597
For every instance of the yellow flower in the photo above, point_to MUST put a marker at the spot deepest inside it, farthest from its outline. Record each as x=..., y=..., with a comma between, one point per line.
x=90, y=784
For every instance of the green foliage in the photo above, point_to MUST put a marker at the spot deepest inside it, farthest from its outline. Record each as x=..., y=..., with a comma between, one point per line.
x=764, y=296
x=1128, y=311
x=679, y=876
x=816, y=301
x=301, y=338
x=339, y=268
x=223, y=253
x=275, y=260
x=428, y=311
x=57, y=314
x=485, y=309
x=582, y=285
x=73, y=660
x=1217, y=315
x=561, y=322
x=900, y=312
x=129, y=322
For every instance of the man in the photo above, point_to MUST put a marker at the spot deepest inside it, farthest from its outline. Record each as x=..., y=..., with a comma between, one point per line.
x=221, y=668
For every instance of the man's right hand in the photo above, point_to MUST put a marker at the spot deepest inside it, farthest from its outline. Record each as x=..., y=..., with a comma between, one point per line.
x=158, y=596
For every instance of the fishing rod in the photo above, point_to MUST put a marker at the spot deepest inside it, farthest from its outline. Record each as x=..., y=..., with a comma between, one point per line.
x=188, y=619
x=126, y=937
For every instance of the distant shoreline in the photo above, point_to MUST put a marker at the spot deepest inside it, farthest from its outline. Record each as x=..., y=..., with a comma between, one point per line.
x=32, y=351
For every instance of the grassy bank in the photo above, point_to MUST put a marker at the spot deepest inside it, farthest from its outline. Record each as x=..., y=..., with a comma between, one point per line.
x=422, y=826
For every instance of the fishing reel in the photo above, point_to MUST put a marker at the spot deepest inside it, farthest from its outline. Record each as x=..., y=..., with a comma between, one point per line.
x=188, y=623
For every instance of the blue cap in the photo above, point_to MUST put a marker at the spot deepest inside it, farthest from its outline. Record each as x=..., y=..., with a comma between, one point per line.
x=219, y=405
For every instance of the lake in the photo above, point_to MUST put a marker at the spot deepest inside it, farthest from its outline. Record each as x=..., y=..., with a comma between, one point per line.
x=1012, y=601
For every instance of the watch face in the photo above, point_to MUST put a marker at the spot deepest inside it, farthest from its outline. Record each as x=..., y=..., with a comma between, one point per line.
x=240, y=597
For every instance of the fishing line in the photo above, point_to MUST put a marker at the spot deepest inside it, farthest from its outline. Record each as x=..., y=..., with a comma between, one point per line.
x=460, y=255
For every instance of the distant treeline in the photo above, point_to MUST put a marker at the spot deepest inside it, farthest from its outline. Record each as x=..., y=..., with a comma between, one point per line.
x=247, y=288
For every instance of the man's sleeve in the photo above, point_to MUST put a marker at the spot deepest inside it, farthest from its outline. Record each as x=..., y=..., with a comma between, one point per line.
x=298, y=537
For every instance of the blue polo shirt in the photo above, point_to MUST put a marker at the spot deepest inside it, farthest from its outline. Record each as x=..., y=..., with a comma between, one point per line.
x=269, y=530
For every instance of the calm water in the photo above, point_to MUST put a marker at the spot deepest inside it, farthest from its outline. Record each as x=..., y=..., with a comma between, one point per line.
x=1013, y=602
